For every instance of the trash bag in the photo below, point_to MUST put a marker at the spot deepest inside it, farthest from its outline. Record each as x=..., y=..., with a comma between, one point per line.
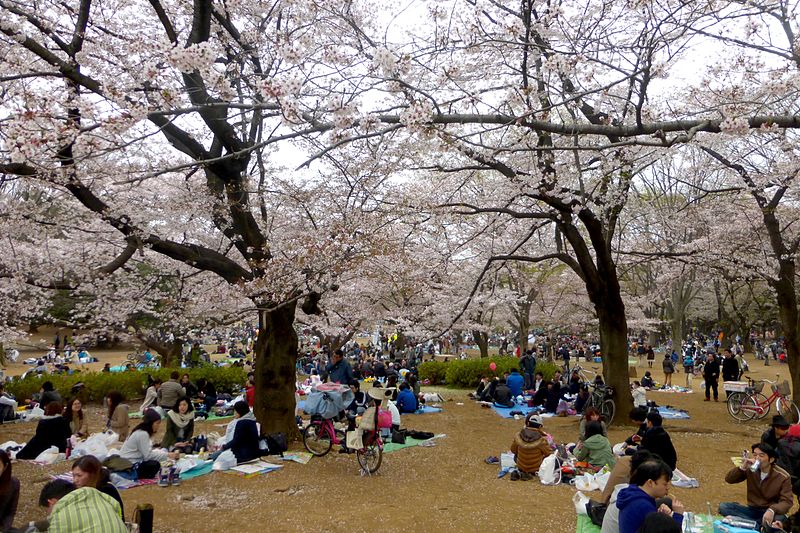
x=94, y=445
x=49, y=456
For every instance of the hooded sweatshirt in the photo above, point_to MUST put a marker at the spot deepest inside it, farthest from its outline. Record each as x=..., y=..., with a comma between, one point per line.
x=530, y=448
x=597, y=451
x=656, y=440
x=634, y=505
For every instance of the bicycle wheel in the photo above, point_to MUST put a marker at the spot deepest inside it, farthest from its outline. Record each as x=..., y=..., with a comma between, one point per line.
x=370, y=457
x=788, y=409
x=763, y=404
x=317, y=440
x=608, y=408
x=735, y=407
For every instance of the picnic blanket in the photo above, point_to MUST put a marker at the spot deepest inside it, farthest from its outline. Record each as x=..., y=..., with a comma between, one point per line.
x=505, y=412
x=673, y=413
x=390, y=447
x=673, y=388
x=425, y=409
x=585, y=525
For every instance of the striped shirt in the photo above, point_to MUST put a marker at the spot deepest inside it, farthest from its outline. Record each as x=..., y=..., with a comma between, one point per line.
x=86, y=510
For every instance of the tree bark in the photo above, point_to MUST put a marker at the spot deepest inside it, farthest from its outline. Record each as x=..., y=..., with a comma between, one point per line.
x=614, y=347
x=482, y=340
x=275, y=372
x=170, y=352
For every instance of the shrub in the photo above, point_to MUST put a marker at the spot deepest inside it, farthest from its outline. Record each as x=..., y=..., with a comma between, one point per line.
x=434, y=371
x=130, y=384
x=467, y=374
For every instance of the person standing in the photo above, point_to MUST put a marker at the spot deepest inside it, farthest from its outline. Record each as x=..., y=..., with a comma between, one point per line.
x=711, y=376
x=340, y=371
x=527, y=364
x=669, y=368
x=730, y=368
x=651, y=355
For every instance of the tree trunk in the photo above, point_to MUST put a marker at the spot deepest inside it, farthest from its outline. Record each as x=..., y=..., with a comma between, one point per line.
x=275, y=372
x=614, y=346
x=482, y=340
x=170, y=352
x=523, y=324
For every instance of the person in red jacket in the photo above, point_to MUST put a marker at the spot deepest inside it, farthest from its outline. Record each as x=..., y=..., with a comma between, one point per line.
x=250, y=392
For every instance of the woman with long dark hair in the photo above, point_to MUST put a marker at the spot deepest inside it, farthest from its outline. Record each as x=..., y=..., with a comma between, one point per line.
x=180, y=426
x=73, y=414
x=118, y=421
x=138, y=447
x=52, y=430
x=9, y=493
x=89, y=472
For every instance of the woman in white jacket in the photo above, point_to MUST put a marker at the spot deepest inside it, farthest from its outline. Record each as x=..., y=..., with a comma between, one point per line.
x=138, y=447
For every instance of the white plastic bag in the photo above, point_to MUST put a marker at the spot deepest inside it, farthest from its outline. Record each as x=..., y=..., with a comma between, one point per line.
x=585, y=482
x=212, y=440
x=49, y=456
x=550, y=470
x=94, y=445
x=33, y=414
x=225, y=461
x=108, y=438
x=601, y=478
x=619, y=448
x=354, y=440
x=580, y=500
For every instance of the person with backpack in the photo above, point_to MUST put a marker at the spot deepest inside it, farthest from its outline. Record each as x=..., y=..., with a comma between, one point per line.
x=529, y=447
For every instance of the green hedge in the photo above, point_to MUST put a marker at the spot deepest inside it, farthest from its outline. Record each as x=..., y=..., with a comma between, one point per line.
x=467, y=374
x=130, y=384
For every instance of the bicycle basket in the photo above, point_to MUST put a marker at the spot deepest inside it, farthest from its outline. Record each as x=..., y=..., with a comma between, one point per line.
x=783, y=388
x=757, y=386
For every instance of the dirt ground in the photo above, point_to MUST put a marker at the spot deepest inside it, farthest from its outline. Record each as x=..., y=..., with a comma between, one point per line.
x=446, y=487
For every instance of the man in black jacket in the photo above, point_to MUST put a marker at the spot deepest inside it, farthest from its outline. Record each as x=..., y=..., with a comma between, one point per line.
x=656, y=440
x=778, y=428
x=711, y=375
x=730, y=368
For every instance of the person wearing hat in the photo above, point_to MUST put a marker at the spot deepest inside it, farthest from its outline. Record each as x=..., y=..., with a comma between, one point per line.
x=778, y=428
x=529, y=447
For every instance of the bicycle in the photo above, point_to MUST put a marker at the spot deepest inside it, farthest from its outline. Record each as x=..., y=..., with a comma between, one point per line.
x=602, y=399
x=321, y=434
x=751, y=403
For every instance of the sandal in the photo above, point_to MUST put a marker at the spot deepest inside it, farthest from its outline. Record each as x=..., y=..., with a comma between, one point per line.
x=491, y=460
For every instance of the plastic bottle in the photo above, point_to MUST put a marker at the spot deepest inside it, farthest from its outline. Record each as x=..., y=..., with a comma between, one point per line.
x=736, y=521
x=688, y=522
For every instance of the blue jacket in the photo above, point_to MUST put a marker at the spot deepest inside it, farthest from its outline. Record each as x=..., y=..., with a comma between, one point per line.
x=634, y=505
x=515, y=382
x=244, y=443
x=340, y=372
x=406, y=401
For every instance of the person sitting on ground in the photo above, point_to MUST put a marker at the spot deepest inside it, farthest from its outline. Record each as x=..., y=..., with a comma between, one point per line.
x=488, y=393
x=482, y=384
x=619, y=479
x=406, y=401
x=620, y=475
x=591, y=415
x=151, y=396
x=529, y=447
x=9, y=493
x=596, y=449
x=52, y=430
x=538, y=381
x=553, y=396
x=638, y=415
x=74, y=510
x=170, y=391
x=244, y=443
x=208, y=393
x=48, y=394
x=769, y=489
x=118, y=420
x=357, y=406
x=575, y=382
x=788, y=451
x=87, y=471
x=188, y=386
x=413, y=383
x=8, y=405
x=647, y=380
x=180, y=427
x=658, y=442
x=138, y=447
x=73, y=414
x=649, y=482
x=515, y=382
x=778, y=428
x=582, y=398
x=639, y=394
x=502, y=394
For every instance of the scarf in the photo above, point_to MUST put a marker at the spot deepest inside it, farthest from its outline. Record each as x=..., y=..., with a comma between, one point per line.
x=180, y=420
